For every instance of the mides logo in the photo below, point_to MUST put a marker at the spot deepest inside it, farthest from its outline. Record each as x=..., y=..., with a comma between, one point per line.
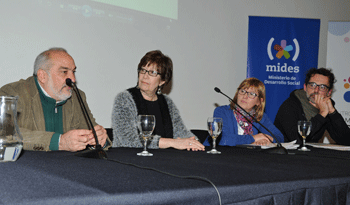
x=281, y=50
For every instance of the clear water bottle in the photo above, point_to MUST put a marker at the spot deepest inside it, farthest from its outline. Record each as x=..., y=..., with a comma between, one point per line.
x=10, y=137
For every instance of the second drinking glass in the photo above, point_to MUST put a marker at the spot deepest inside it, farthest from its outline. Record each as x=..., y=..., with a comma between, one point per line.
x=145, y=124
x=214, y=129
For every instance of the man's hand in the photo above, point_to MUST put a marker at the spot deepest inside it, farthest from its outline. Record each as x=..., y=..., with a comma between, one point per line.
x=321, y=103
x=101, y=136
x=329, y=103
x=74, y=140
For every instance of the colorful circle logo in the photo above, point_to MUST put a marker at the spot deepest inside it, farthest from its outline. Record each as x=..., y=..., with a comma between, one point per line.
x=347, y=86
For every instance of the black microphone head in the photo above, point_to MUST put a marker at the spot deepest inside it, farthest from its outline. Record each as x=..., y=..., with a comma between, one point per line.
x=69, y=82
x=217, y=89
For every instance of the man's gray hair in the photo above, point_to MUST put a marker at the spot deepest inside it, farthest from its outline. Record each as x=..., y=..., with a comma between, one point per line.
x=43, y=60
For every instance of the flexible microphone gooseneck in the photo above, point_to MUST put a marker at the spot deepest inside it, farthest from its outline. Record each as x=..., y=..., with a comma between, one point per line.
x=97, y=152
x=275, y=150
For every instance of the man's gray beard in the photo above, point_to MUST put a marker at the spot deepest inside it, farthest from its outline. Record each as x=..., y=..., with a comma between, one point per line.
x=60, y=95
x=64, y=97
x=311, y=97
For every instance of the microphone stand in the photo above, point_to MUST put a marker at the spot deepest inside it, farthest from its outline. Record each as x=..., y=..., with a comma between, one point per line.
x=275, y=150
x=97, y=152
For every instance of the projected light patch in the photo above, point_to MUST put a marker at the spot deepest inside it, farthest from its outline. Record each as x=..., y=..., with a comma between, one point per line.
x=168, y=9
x=347, y=86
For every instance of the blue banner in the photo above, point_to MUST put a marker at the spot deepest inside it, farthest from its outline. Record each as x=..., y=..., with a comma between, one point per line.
x=280, y=52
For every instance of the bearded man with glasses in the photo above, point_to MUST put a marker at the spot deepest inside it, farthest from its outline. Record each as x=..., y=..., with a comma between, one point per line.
x=313, y=103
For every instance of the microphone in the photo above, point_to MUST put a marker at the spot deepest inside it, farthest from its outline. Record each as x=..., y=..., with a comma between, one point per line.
x=275, y=150
x=97, y=152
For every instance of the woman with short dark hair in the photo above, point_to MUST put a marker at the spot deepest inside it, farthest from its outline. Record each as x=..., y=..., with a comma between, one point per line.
x=154, y=71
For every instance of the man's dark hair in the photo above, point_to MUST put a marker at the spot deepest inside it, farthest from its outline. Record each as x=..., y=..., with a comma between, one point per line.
x=322, y=71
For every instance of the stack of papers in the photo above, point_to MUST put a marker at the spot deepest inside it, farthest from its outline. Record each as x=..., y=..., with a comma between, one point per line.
x=293, y=145
x=287, y=145
x=330, y=146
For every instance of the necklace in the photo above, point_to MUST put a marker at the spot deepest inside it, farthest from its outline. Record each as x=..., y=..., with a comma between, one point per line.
x=152, y=97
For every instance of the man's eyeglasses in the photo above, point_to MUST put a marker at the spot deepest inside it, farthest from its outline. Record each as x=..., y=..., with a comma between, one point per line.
x=322, y=87
x=152, y=73
x=250, y=95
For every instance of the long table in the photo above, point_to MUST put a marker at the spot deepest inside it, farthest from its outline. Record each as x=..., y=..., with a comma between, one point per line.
x=242, y=176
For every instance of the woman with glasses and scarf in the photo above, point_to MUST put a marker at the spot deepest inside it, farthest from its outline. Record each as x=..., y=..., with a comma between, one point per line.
x=154, y=71
x=237, y=127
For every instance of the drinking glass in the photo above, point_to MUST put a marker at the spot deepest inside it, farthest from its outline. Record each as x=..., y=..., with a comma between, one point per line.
x=145, y=124
x=214, y=129
x=304, y=129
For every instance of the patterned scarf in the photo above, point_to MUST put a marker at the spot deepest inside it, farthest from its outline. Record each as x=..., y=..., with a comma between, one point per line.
x=243, y=122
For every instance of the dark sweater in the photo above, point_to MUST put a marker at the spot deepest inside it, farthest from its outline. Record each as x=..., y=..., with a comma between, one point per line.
x=53, y=116
x=291, y=111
